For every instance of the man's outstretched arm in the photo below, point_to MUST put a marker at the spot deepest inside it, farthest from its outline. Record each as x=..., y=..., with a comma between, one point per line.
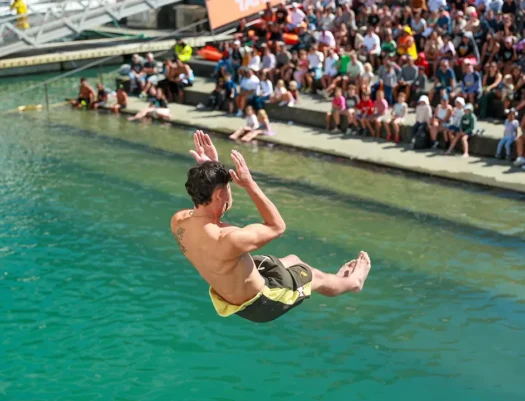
x=253, y=236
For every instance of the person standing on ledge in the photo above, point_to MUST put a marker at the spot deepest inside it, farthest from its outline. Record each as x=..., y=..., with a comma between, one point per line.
x=257, y=288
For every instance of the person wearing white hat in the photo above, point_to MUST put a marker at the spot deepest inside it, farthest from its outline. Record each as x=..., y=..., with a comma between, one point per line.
x=297, y=17
x=423, y=115
x=467, y=125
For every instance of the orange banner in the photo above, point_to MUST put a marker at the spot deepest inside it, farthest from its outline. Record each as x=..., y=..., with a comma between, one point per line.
x=222, y=12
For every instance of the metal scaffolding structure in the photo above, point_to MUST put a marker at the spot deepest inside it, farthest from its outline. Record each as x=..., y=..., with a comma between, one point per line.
x=66, y=18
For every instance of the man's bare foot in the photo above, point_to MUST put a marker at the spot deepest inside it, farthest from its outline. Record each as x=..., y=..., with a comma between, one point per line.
x=361, y=270
x=347, y=269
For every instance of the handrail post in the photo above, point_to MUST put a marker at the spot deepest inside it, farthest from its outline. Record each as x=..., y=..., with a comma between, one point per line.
x=100, y=75
x=47, y=98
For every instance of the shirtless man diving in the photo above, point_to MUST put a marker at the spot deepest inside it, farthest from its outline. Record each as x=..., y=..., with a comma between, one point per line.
x=257, y=288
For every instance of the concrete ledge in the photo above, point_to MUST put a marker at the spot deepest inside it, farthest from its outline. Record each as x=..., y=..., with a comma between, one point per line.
x=480, y=171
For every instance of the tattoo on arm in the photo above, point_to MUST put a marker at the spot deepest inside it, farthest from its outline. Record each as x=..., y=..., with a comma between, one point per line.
x=178, y=236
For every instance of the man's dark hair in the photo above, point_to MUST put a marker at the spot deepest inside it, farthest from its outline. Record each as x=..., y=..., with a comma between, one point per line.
x=204, y=179
x=82, y=79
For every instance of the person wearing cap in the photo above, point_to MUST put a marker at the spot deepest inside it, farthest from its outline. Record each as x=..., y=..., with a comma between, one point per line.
x=423, y=114
x=509, y=134
x=442, y=115
x=467, y=124
x=406, y=43
x=297, y=18
x=183, y=51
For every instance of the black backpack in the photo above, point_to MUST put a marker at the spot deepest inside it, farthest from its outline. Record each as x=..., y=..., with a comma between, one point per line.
x=421, y=138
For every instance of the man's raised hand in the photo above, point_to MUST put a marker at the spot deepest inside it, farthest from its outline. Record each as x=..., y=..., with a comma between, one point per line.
x=204, y=149
x=241, y=176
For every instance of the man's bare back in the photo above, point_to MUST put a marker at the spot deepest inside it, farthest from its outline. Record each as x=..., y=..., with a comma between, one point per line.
x=234, y=277
x=258, y=288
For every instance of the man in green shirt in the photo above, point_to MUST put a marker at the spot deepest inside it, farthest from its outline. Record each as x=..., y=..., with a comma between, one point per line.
x=466, y=129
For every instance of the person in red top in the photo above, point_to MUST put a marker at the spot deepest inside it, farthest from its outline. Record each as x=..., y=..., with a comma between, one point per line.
x=365, y=109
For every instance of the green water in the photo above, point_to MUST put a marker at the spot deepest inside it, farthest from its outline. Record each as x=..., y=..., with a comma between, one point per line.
x=98, y=304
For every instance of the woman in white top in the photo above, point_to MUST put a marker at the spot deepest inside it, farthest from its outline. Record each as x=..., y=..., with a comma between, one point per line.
x=251, y=124
x=399, y=111
x=280, y=91
x=441, y=119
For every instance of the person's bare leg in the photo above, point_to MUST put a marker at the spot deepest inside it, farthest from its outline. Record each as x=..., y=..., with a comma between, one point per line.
x=464, y=140
x=350, y=278
x=453, y=144
x=238, y=133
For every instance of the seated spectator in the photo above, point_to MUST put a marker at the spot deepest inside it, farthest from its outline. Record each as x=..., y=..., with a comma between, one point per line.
x=281, y=14
x=102, y=97
x=466, y=50
x=122, y=100
x=367, y=78
x=282, y=59
x=86, y=95
x=158, y=108
x=149, y=70
x=507, y=91
x=355, y=69
x=288, y=71
x=470, y=84
x=268, y=15
x=388, y=78
x=254, y=62
x=406, y=44
x=230, y=92
x=432, y=46
x=249, y=88
x=443, y=24
x=399, y=112
x=297, y=18
x=458, y=24
x=279, y=92
x=379, y=116
x=183, y=51
x=315, y=67
x=466, y=128
x=305, y=40
x=365, y=109
x=491, y=84
x=290, y=97
x=509, y=134
x=216, y=98
x=311, y=18
x=302, y=70
x=241, y=33
x=338, y=108
x=330, y=69
x=388, y=45
x=507, y=56
x=442, y=116
x=180, y=77
x=447, y=51
x=423, y=116
x=418, y=26
x=355, y=39
x=342, y=75
x=351, y=100
x=137, y=76
x=269, y=61
x=251, y=124
x=266, y=92
x=264, y=127
x=489, y=51
x=408, y=78
x=326, y=41
x=276, y=34
x=372, y=43
x=235, y=58
x=445, y=79
x=223, y=66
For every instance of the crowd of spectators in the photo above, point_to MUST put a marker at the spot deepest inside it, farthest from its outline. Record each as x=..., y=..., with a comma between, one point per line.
x=374, y=59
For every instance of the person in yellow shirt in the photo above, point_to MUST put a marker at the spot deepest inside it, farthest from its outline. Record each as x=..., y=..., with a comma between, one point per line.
x=21, y=10
x=183, y=51
x=406, y=43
